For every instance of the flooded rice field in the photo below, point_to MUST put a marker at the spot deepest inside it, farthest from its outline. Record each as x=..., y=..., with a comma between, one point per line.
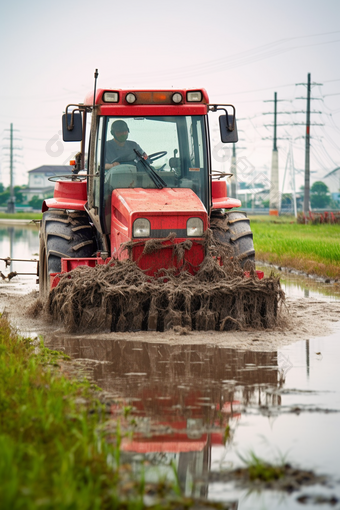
x=206, y=401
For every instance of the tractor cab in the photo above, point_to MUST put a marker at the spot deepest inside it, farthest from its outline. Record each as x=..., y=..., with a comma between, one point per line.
x=149, y=141
x=154, y=153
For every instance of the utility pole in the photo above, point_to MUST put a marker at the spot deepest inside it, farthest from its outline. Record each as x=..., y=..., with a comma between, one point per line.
x=11, y=148
x=11, y=201
x=274, y=194
x=274, y=202
x=306, y=200
x=275, y=151
x=233, y=169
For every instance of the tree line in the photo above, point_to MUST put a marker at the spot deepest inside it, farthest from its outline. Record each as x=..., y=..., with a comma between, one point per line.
x=20, y=198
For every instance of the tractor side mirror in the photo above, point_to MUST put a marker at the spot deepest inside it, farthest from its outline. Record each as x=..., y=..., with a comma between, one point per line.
x=72, y=127
x=228, y=128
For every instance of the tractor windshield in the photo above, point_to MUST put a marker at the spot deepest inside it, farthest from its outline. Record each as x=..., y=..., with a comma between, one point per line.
x=174, y=147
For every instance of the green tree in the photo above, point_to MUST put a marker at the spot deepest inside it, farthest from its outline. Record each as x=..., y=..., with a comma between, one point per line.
x=4, y=196
x=319, y=196
x=18, y=196
x=36, y=202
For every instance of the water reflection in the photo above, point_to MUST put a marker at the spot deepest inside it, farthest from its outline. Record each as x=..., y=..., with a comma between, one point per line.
x=197, y=406
x=19, y=242
x=299, y=285
x=186, y=399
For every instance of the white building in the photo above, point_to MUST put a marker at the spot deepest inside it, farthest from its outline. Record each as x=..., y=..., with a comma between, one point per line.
x=38, y=183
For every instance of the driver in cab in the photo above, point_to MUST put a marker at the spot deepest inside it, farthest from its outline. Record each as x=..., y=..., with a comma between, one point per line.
x=120, y=149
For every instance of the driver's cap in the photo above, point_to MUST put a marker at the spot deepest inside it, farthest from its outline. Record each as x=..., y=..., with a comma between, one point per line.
x=119, y=125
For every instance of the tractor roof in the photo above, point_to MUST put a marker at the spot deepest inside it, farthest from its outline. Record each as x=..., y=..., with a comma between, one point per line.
x=193, y=101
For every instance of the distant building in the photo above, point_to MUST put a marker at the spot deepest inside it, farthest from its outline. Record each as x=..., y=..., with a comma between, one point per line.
x=38, y=183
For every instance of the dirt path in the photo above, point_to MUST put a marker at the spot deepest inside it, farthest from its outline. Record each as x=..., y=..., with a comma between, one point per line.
x=304, y=318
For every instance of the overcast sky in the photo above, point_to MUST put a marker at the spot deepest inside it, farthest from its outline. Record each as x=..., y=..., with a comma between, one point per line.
x=240, y=52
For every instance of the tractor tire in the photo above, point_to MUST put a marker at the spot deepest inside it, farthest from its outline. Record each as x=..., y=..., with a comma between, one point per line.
x=62, y=235
x=43, y=276
x=232, y=229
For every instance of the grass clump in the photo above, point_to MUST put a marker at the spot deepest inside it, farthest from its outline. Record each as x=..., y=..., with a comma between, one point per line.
x=259, y=469
x=54, y=453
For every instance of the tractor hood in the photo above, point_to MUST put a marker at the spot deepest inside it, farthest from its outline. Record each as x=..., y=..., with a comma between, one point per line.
x=167, y=211
x=165, y=201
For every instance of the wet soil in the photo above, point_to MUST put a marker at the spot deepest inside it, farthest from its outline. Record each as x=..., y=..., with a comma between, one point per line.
x=280, y=478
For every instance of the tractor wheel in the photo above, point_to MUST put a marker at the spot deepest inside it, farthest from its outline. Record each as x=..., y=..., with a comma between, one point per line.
x=232, y=228
x=43, y=276
x=62, y=235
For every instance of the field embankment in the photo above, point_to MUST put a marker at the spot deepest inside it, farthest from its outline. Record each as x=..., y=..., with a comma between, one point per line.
x=314, y=249
x=21, y=216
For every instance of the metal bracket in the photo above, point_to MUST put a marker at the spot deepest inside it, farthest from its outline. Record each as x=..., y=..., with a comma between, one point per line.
x=216, y=107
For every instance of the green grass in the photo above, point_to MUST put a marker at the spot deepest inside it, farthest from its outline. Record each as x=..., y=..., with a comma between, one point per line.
x=259, y=469
x=54, y=452
x=314, y=249
x=21, y=216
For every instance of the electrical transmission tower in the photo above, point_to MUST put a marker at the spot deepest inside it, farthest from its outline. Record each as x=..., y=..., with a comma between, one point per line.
x=290, y=162
x=233, y=169
x=11, y=200
x=306, y=200
x=274, y=194
x=274, y=189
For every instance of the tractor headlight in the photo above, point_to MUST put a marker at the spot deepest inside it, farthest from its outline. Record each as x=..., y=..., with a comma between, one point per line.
x=141, y=228
x=111, y=97
x=177, y=97
x=130, y=98
x=195, y=96
x=194, y=227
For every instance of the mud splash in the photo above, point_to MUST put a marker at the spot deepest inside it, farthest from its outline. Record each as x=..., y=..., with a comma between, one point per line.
x=120, y=297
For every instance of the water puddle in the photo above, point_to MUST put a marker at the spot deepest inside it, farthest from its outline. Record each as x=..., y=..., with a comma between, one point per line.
x=297, y=285
x=201, y=406
x=18, y=242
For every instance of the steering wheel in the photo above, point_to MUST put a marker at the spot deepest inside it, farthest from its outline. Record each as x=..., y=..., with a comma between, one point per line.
x=70, y=177
x=156, y=155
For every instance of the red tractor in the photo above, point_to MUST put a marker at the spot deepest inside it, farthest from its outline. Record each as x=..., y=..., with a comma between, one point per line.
x=146, y=174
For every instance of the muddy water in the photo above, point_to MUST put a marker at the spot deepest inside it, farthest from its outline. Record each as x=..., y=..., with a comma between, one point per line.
x=202, y=406
x=184, y=398
x=20, y=242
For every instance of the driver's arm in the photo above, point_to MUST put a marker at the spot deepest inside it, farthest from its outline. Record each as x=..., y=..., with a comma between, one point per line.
x=140, y=150
x=110, y=165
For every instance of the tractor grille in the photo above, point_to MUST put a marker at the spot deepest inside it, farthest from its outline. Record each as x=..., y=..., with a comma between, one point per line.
x=164, y=232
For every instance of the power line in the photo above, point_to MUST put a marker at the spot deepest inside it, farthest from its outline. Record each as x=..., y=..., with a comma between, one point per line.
x=242, y=58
